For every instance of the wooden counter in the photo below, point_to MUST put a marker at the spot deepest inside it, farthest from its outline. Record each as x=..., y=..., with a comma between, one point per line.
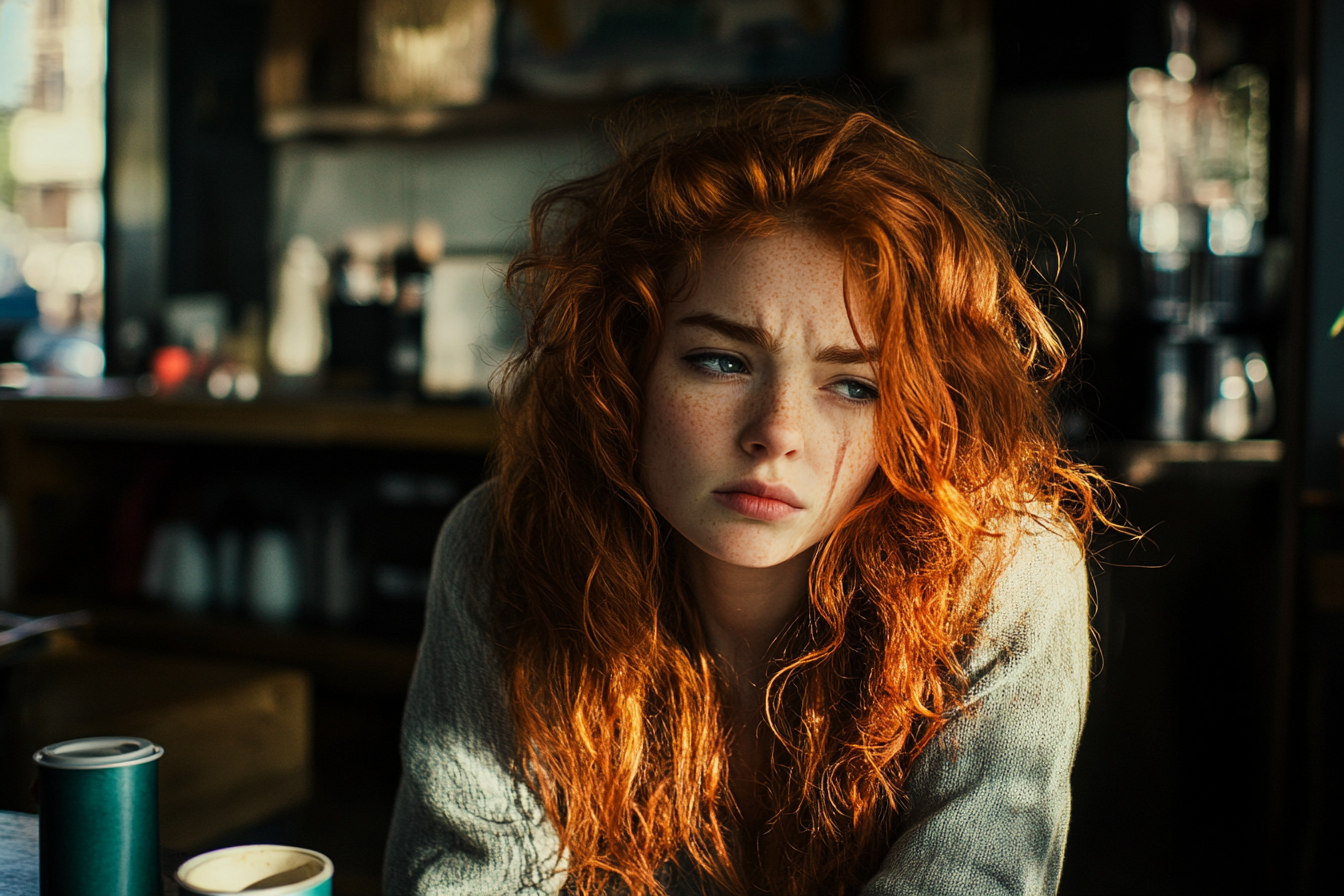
x=463, y=428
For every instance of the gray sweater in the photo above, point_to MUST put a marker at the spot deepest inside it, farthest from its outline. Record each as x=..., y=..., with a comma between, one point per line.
x=988, y=799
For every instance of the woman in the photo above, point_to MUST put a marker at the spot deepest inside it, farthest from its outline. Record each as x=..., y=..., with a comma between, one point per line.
x=779, y=584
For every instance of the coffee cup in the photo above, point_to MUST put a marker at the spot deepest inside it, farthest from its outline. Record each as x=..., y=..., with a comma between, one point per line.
x=262, y=870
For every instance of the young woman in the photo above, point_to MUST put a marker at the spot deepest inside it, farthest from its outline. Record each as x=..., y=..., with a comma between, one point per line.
x=779, y=585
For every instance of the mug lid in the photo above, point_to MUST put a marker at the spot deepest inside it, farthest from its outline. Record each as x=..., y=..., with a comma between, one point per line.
x=98, y=752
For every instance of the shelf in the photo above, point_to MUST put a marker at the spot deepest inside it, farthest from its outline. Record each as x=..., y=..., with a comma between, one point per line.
x=1322, y=499
x=367, y=424
x=341, y=661
x=1245, y=451
x=1141, y=462
x=368, y=120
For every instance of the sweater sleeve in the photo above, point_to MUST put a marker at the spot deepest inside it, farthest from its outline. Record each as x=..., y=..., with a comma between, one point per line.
x=463, y=824
x=989, y=799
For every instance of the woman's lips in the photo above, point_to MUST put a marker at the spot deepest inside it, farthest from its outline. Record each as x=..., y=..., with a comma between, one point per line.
x=757, y=507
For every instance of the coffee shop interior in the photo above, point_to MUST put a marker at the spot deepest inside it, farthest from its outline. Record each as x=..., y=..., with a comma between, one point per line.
x=251, y=258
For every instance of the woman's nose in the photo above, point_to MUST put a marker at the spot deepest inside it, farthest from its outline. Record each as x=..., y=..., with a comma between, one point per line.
x=774, y=424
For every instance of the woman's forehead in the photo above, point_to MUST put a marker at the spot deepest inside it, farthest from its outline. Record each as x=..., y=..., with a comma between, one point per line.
x=792, y=281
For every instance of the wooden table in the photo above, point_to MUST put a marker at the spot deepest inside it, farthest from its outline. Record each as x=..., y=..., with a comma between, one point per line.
x=18, y=857
x=18, y=854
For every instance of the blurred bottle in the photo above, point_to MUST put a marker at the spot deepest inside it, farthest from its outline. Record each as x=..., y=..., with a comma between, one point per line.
x=360, y=321
x=402, y=375
x=274, y=589
x=178, y=568
x=298, y=339
x=411, y=266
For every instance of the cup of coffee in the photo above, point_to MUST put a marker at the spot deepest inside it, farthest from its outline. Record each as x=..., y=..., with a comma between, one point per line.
x=258, y=871
x=98, y=817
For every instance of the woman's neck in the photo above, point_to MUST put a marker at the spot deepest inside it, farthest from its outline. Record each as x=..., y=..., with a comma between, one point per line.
x=743, y=609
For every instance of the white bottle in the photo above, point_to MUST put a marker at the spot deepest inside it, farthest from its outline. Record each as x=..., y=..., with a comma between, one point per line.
x=274, y=591
x=298, y=340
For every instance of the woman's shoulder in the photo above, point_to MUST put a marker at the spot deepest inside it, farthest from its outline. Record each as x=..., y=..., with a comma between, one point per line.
x=456, y=673
x=466, y=531
x=1039, y=556
x=1035, y=568
x=459, y=579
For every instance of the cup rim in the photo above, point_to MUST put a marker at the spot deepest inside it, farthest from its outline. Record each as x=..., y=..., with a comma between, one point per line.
x=195, y=861
x=58, y=755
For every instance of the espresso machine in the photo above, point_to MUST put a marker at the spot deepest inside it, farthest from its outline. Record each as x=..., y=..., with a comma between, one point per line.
x=1198, y=197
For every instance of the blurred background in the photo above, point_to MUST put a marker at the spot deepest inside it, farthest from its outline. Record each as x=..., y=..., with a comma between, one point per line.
x=250, y=262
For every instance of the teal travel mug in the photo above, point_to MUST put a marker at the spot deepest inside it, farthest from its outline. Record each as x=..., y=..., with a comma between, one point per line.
x=98, y=817
x=263, y=870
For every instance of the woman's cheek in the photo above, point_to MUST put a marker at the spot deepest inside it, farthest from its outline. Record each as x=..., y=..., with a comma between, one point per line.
x=861, y=463
x=670, y=435
x=694, y=416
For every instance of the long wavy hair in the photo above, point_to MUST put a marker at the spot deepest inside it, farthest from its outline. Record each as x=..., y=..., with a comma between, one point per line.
x=617, y=704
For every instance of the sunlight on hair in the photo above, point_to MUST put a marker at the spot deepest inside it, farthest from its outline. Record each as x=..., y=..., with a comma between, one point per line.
x=631, y=764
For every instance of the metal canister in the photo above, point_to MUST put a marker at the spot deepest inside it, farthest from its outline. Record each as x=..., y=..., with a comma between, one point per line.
x=98, y=817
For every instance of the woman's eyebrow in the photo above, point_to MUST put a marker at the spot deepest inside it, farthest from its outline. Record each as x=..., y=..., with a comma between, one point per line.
x=838, y=354
x=732, y=329
x=753, y=335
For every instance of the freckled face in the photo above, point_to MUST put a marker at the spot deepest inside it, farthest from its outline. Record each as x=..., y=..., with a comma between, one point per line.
x=758, y=410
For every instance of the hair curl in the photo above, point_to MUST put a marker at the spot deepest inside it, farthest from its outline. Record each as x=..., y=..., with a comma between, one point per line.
x=616, y=702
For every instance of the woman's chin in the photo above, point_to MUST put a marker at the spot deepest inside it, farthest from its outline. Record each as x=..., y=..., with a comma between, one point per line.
x=750, y=553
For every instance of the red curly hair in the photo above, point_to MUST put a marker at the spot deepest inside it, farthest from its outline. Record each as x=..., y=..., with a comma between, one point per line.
x=616, y=701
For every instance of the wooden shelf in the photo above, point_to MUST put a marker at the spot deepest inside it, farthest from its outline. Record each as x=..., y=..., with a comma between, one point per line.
x=345, y=662
x=368, y=120
x=370, y=424
x=1140, y=462
x=1244, y=451
x=1322, y=499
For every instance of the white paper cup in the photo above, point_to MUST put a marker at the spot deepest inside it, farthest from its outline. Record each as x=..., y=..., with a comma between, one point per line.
x=262, y=870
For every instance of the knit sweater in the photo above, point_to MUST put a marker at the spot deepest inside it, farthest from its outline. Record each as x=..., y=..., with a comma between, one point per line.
x=988, y=799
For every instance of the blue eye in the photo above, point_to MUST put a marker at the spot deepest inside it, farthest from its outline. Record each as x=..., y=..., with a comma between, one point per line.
x=856, y=391
x=723, y=364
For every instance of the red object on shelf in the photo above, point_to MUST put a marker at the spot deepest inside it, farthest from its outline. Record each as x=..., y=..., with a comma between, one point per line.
x=172, y=365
